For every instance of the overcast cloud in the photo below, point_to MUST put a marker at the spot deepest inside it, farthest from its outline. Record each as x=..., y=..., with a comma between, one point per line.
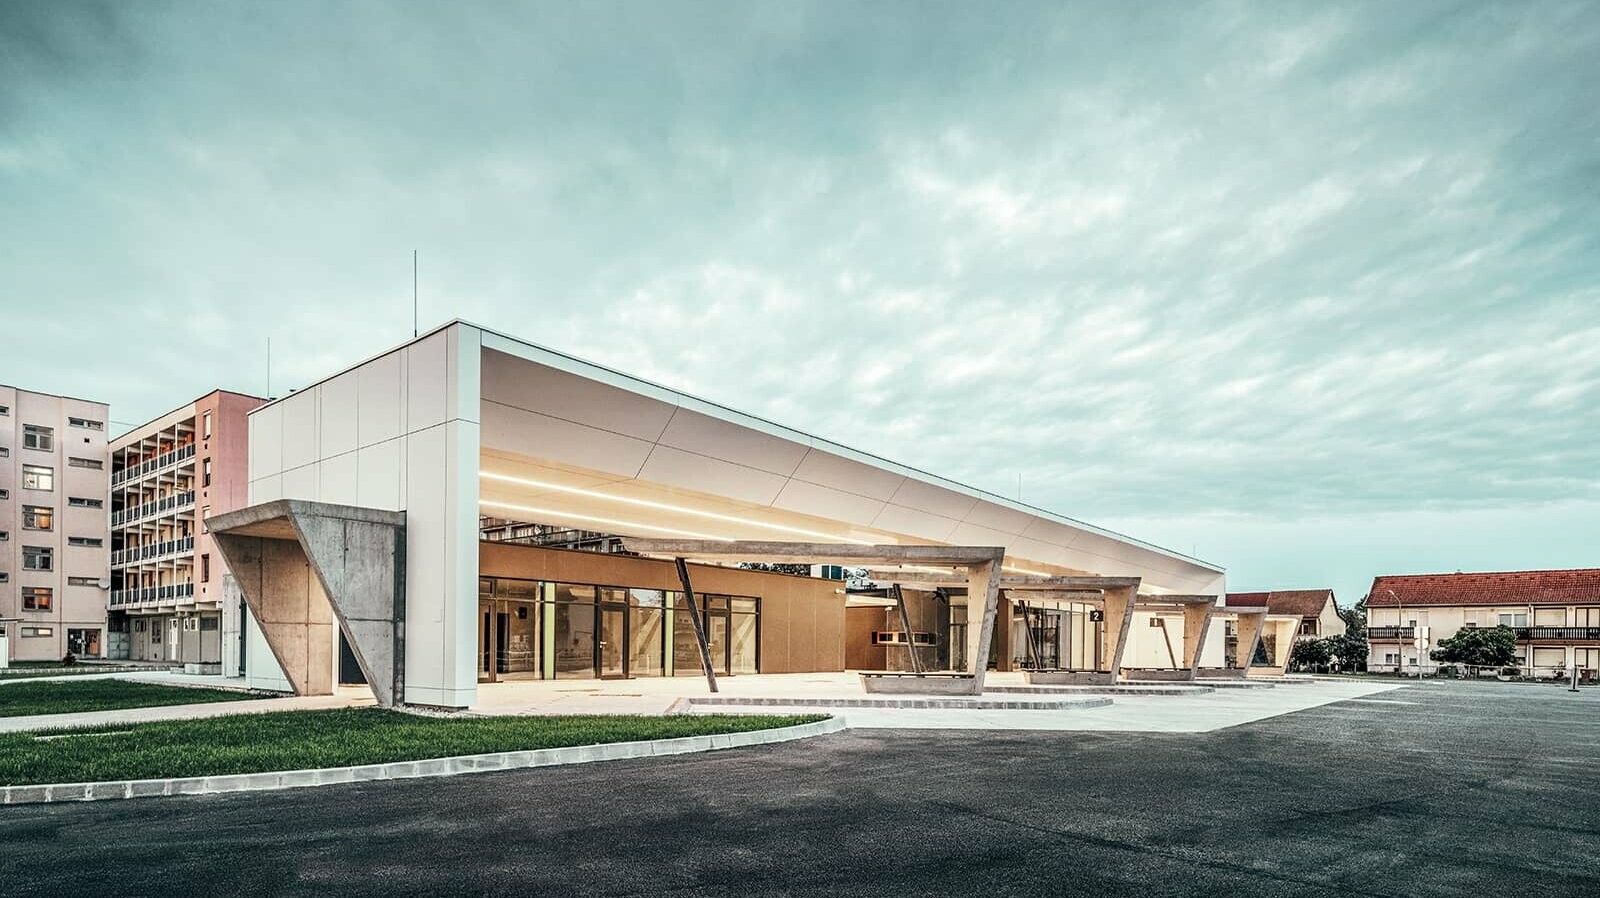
x=1310, y=290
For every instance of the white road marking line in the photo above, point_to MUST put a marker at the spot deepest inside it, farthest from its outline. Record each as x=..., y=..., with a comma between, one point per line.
x=1380, y=701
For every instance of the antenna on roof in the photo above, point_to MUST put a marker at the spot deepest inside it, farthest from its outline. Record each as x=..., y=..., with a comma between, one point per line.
x=269, y=367
x=413, y=294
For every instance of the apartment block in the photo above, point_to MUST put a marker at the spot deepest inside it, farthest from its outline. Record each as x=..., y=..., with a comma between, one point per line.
x=167, y=475
x=1554, y=614
x=54, y=530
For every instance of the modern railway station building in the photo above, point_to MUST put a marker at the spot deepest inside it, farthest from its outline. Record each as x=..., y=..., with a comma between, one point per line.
x=468, y=509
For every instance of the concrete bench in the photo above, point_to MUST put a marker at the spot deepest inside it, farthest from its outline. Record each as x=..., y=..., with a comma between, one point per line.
x=893, y=682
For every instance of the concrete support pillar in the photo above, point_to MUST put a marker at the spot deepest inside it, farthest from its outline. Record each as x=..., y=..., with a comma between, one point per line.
x=289, y=605
x=1196, y=624
x=1118, y=607
x=1249, y=637
x=983, y=601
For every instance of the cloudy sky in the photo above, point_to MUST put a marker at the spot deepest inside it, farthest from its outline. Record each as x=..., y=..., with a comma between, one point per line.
x=1311, y=291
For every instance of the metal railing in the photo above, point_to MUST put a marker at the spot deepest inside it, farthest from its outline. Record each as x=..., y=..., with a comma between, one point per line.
x=172, y=592
x=151, y=551
x=165, y=503
x=150, y=466
x=1391, y=633
x=1536, y=634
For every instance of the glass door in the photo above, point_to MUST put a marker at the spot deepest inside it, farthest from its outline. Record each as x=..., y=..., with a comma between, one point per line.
x=613, y=642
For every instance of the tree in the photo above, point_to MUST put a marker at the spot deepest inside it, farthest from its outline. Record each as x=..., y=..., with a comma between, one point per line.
x=1310, y=653
x=1355, y=617
x=1349, y=648
x=803, y=570
x=1478, y=647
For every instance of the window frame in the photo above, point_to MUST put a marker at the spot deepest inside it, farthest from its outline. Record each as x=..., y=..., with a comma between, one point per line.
x=35, y=471
x=39, y=437
x=47, y=553
x=32, y=513
x=85, y=502
x=85, y=423
x=30, y=598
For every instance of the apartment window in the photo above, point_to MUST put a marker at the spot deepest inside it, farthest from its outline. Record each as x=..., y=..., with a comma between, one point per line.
x=38, y=558
x=205, y=568
x=37, y=598
x=88, y=542
x=5, y=494
x=205, y=473
x=36, y=437
x=4, y=577
x=87, y=423
x=80, y=502
x=94, y=464
x=38, y=477
x=205, y=426
x=1514, y=620
x=4, y=535
x=38, y=517
x=38, y=631
x=205, y=512
x=4, y=452
x=83, y=581
x=5, y=410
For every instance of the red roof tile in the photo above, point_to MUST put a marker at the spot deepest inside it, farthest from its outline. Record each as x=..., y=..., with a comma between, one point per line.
x=1304, y=602
x=1496, y=588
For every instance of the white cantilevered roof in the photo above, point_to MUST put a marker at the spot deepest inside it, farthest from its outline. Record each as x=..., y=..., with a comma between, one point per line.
x=569, y=442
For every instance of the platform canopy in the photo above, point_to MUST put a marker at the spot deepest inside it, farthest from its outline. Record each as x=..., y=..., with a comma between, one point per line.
x=569, y=442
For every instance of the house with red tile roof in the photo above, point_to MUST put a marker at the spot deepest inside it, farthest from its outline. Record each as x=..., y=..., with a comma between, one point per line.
x=1555, y=615
x=1318, y=611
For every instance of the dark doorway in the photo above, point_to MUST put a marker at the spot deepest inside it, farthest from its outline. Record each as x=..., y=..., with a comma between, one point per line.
x=349, y=668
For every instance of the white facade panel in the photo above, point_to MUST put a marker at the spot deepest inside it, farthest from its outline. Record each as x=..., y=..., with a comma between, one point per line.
x=380, y=476
x=674, y=467
x=266, y=442
x=299, y=429
x=380, y=388
x=564, y=442
x=337, y=480
x=712, y=438
x=338, y=426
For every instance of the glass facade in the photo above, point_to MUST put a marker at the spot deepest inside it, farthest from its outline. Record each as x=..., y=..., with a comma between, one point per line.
x=532, y=629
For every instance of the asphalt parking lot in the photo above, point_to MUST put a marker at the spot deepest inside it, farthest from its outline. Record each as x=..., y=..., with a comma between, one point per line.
x=1438, y=789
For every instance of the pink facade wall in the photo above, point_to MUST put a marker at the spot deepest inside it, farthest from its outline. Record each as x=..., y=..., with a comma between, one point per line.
x=229, y=451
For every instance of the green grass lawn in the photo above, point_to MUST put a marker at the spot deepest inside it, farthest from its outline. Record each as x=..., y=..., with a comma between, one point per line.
x=296, y=740
x=25, y=699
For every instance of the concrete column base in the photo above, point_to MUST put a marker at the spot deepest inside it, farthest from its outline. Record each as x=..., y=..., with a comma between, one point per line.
x=1068, y=677
x=1163, y=674
x=1220, y=673
x=928, y=684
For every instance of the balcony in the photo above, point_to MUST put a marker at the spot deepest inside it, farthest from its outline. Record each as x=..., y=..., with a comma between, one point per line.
x=139, y=512
x=150, y=466
x=146, y=595
x=1391, y=634
x=152, y=551
x=1558, y=634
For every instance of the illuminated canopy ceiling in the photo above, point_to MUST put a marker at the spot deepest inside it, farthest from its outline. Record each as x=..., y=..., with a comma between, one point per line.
x=567, y=442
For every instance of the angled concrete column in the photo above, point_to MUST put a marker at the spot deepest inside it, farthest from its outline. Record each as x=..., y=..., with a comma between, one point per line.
x=304, y=567
x=1248, y=632
x=289, y=605
x=1196, y=624
x=1285, y=631
x=1118, y=606
x=983, y=601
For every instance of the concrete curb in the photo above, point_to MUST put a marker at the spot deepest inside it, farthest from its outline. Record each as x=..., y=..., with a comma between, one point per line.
x=895, y=703
x=1120, y=689
x=327, y=776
